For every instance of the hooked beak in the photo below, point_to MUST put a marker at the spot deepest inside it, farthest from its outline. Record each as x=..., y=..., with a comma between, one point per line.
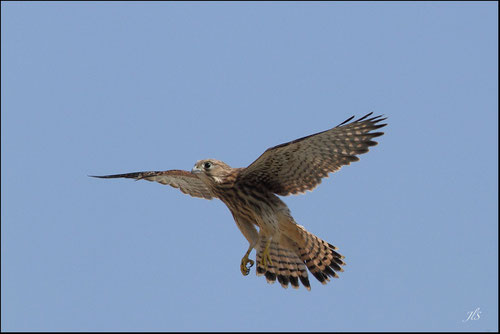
x=195, y=170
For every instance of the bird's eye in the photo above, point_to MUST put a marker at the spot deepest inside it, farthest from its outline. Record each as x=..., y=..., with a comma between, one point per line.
x=207, y=165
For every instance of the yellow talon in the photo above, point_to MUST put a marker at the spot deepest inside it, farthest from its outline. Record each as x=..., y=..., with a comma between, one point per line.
x=245, y=270
x=266, y=258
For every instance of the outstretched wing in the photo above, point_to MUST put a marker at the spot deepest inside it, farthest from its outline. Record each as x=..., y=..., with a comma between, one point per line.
x=299, y=165
x=187, y=182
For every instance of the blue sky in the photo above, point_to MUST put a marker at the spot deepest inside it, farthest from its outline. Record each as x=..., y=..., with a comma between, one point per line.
x=101, y=88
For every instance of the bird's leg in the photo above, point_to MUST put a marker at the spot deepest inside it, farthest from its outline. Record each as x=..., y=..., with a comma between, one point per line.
x=266, y=258
x=245, y=261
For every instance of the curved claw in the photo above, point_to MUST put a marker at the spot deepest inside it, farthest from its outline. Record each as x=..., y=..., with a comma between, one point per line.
x=245, y=270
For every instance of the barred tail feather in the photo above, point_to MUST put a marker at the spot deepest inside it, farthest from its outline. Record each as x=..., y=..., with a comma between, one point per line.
x=320, y=257
x=286, y=266
x=295, y=251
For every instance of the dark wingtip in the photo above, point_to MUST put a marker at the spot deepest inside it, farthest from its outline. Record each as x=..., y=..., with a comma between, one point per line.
x=379, y=118
x=101, y=176
x=377, y=134
x=344, y=122
x=365, y=116
x=114, y=176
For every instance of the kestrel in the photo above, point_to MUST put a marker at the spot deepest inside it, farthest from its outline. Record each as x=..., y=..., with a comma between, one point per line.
x=284, y=248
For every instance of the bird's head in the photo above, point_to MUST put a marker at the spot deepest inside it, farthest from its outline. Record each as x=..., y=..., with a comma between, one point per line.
x=212, y=169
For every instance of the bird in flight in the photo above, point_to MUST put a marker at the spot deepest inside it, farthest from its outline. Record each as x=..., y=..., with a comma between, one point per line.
x=285, y=249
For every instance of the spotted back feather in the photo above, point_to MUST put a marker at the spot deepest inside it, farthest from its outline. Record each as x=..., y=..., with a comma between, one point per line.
x=299, y=165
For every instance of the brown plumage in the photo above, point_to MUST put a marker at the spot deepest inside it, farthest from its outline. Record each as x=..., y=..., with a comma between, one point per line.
x=285, y=250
